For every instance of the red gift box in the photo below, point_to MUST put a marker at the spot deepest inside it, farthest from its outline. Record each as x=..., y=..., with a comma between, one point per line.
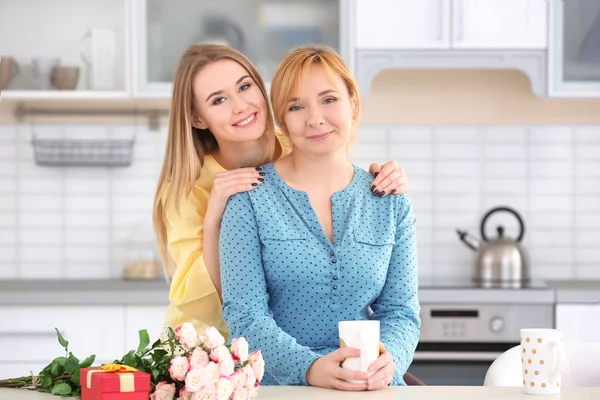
x=97, y=384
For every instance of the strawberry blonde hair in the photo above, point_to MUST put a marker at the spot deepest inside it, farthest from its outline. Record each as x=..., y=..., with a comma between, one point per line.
x=292, y=70
x=186, y=145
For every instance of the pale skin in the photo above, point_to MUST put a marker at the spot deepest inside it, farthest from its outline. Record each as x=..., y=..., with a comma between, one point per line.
x=319, y=124
x=229, y=103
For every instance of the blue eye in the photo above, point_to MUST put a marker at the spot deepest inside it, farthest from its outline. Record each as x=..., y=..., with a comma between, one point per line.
x=245, y=87
x=329, y=100
x=295, y=108
x=218, y=100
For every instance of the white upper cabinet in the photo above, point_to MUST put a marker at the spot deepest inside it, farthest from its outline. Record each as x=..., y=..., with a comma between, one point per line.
x=574, y=51
x=402, y=24
x=504, y=24
x=451, y=24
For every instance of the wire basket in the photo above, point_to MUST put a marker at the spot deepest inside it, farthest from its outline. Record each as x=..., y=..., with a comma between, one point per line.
x=86, y=153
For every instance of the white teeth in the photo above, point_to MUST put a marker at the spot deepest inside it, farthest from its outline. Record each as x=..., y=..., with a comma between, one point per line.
x=247, y=120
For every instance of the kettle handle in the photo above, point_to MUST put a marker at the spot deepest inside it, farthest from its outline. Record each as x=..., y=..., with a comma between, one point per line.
x=507, y=209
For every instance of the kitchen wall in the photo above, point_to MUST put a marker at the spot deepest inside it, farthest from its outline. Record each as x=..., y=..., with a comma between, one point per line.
x=474, y=142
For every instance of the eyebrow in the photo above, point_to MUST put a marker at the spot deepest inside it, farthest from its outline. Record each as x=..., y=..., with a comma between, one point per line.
x=220, y=91
x=323, y=93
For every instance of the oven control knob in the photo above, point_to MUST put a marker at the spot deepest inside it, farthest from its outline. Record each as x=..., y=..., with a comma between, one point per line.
x=497, y=324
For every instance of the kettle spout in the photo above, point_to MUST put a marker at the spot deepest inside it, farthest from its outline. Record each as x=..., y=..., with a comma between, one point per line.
x=470, y=241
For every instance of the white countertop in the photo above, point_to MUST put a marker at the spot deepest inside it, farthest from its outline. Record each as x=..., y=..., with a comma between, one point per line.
x=392, y=393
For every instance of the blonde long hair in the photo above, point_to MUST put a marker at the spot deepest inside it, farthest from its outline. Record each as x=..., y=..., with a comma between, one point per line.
x=187, y=145
x=291, y=72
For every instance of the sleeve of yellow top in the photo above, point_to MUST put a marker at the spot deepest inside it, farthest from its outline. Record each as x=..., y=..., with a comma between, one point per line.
x=192, y=290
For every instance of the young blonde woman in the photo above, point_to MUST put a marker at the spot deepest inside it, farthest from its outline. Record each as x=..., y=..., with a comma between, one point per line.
x=220, y=130
x=312, y=246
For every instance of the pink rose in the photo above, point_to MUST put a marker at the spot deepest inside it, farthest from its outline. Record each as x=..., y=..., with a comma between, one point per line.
x=226, y=367
x=187, y=335
x=207, y=393
x=219, y=353
x=198, y=358
x=179, y=367
x=258, y=364
x=241, y=394
x=201, y=378
x=213, y=338
x=224, y=389
x=163, y=391
x=239, y=379
x=185, y=395
x=250, y=377
x=239, y=349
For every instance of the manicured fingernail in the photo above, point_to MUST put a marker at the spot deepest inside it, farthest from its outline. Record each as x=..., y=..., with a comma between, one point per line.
x=373, y=188
x=375, y=174
x=376, y=193
x=255, y=184
x=382, y=193
x=262, y=173
x=261, y=180
x=258, y=168
x=393, y=191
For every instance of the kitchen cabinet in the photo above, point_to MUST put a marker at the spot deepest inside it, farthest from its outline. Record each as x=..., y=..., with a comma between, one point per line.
x=90, y=35
x=28, y=339
x=264, y=30
x=579, y=321
x=402, y=24
x=574, y=49
x=451, y=24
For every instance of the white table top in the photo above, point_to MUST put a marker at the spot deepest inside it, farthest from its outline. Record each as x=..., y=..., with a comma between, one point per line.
x=392, y=393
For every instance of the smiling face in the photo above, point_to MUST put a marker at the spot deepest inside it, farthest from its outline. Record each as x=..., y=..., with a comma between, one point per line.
x=320, y=119
x=228, y=102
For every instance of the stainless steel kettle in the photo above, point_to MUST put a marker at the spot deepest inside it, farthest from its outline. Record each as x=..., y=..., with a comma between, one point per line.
x=501, y=261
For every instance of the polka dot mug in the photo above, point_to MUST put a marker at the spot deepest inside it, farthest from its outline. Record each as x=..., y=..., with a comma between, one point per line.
x=543, y=358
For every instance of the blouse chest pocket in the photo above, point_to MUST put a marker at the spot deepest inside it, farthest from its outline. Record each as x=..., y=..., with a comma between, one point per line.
x=284, y=255
x=372, y=252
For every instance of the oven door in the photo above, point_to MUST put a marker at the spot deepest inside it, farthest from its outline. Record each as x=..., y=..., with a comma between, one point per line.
x=455, y=364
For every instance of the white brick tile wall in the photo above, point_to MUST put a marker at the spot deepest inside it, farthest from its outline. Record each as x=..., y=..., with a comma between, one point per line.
x=75, y=222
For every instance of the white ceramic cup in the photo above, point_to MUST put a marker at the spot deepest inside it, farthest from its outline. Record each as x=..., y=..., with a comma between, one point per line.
x=362, y=335
x=543, y=359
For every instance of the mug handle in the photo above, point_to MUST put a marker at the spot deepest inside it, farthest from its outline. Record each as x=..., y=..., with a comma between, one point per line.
x=561, y=362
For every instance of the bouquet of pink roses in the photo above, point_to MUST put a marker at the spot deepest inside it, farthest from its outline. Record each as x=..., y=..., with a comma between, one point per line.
x=182, y=365
x=204, y=368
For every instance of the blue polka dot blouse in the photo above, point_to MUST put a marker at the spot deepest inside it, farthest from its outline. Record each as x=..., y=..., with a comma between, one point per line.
x=286, y=286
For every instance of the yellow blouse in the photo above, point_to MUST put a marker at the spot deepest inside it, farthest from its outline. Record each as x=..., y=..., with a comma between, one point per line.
x=193, y=296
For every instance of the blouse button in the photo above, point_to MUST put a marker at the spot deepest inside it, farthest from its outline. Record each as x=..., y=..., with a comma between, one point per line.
x=335, y=277
x=334, y=287
x=334, y=261
x=332, y=254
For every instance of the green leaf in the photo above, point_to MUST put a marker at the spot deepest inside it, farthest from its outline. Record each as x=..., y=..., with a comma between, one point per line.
x=60, y=361
x=76, y=377
x=157, y=343
x=159, y=355
x=46, y=381
x=130, y=359
x=155, y=373
x=71, y=364
x=62, y=389
x=171, y=333
x=57, y=369
x=63, y=342
x=144, y=340
x=88, y=361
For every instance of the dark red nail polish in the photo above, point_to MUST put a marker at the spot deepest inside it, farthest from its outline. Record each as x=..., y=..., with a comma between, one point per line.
x=255, y=184
x=393, y=191
x=261, y=180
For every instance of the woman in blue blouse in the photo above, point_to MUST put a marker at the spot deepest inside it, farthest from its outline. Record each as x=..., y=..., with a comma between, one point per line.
x=313, y=245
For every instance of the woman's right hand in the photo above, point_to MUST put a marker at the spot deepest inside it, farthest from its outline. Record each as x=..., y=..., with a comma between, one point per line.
x=326, y=372
x=229, y=183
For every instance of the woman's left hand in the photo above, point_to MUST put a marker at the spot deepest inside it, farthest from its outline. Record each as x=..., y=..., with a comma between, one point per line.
x=389, y=179
x=384, y=367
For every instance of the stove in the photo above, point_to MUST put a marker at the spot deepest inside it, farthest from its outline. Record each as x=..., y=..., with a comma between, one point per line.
x=465, y=326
